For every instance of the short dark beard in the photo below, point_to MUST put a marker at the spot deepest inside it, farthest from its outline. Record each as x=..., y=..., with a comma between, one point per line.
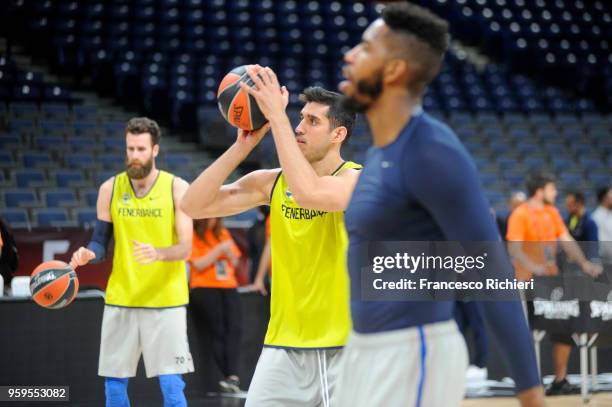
x=370, y=89
x=139, y=172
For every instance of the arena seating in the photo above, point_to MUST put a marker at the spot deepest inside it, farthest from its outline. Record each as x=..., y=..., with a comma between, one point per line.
x=516, y=114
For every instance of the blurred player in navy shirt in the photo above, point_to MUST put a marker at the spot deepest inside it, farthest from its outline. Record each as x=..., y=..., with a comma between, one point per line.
x=418, y=184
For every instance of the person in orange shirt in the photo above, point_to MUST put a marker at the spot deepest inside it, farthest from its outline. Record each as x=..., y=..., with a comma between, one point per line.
x=534, y=228
x=214, y=302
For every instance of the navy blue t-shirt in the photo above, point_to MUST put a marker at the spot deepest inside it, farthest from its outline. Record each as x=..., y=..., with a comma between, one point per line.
x=424, y=186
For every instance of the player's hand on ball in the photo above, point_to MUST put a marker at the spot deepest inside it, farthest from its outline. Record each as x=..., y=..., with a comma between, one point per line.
x=253, y=137
x=145, y=253
x=271, y=98
x=81, y=257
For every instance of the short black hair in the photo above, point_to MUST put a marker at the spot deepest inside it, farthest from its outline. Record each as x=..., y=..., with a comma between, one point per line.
x=337, y=114
x=428, y=29
x=577, y=195
x=537, y=181
x=601, y=193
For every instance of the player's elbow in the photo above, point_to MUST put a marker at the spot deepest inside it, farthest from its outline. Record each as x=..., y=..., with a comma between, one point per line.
x=193, y=209
x=187, y=206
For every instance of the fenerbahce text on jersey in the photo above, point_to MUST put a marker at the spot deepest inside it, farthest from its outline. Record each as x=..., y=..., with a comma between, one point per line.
x=149, y=219
x=310, y=287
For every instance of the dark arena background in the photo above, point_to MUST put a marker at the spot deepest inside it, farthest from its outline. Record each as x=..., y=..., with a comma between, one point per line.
x=526, y=85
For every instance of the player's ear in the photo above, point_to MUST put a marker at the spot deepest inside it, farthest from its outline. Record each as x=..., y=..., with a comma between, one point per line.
x=395, y=70
x=339, y=134
x=155, y=150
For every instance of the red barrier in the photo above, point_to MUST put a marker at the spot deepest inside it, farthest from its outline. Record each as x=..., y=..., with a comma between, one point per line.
x=42, y=244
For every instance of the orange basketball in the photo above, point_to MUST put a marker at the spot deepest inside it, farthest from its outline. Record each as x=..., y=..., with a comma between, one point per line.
x=53, y=284
x=238, y=107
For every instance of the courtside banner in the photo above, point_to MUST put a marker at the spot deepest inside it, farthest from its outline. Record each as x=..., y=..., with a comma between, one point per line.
x=484, y=271
x=43, y=244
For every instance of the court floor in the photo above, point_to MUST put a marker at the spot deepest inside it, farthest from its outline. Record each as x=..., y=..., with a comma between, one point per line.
x=597, y=400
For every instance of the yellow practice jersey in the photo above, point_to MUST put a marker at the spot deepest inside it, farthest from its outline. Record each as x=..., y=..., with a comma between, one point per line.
x=148, y=219
x=310, y=286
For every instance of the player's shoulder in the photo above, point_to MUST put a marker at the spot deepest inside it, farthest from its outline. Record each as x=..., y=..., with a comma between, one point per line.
x=433, y=143
x=552, y=209
x=520, y=211
x=428, y=132
x=348, y=169
x=263, y=177
x=108, y=185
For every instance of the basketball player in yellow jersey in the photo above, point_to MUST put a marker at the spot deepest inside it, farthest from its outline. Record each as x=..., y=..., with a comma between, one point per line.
x=147, y=289
x=310, y=320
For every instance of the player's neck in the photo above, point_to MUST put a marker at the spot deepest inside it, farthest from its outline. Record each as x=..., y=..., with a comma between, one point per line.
x=328, y=164
x=536, y=203
x=143, y=186
x=389, y=114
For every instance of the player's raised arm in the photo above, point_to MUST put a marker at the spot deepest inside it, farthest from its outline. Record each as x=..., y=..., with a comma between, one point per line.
x=207, y=197
x=309, y=189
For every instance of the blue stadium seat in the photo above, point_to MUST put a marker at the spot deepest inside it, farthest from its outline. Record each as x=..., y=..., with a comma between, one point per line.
x=111, y=161
x=175, y=161
x=25, y=178
x=15, y=217
x=85, y=128
x=90, y=196
x=83, y=144
x=600, y=178
x=85, y=114
x=24, y=111
x=48, y=143
x=9, y=141
x=59, y=198
x=81, y=160
x=20, y=197
x=68, y=178
x=33, y=159
x=6, y=159
x=570, y=180
x=86, y=216
x=114, y=144
x=50, y=216
x=104, y=175
x=56, y=111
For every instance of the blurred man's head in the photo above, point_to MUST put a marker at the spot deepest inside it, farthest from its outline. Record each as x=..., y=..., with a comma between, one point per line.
x=404, y=49
x=142, y=136
x=574, y=203
x=541, y=187
x=604, y=197
x=516, y=199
